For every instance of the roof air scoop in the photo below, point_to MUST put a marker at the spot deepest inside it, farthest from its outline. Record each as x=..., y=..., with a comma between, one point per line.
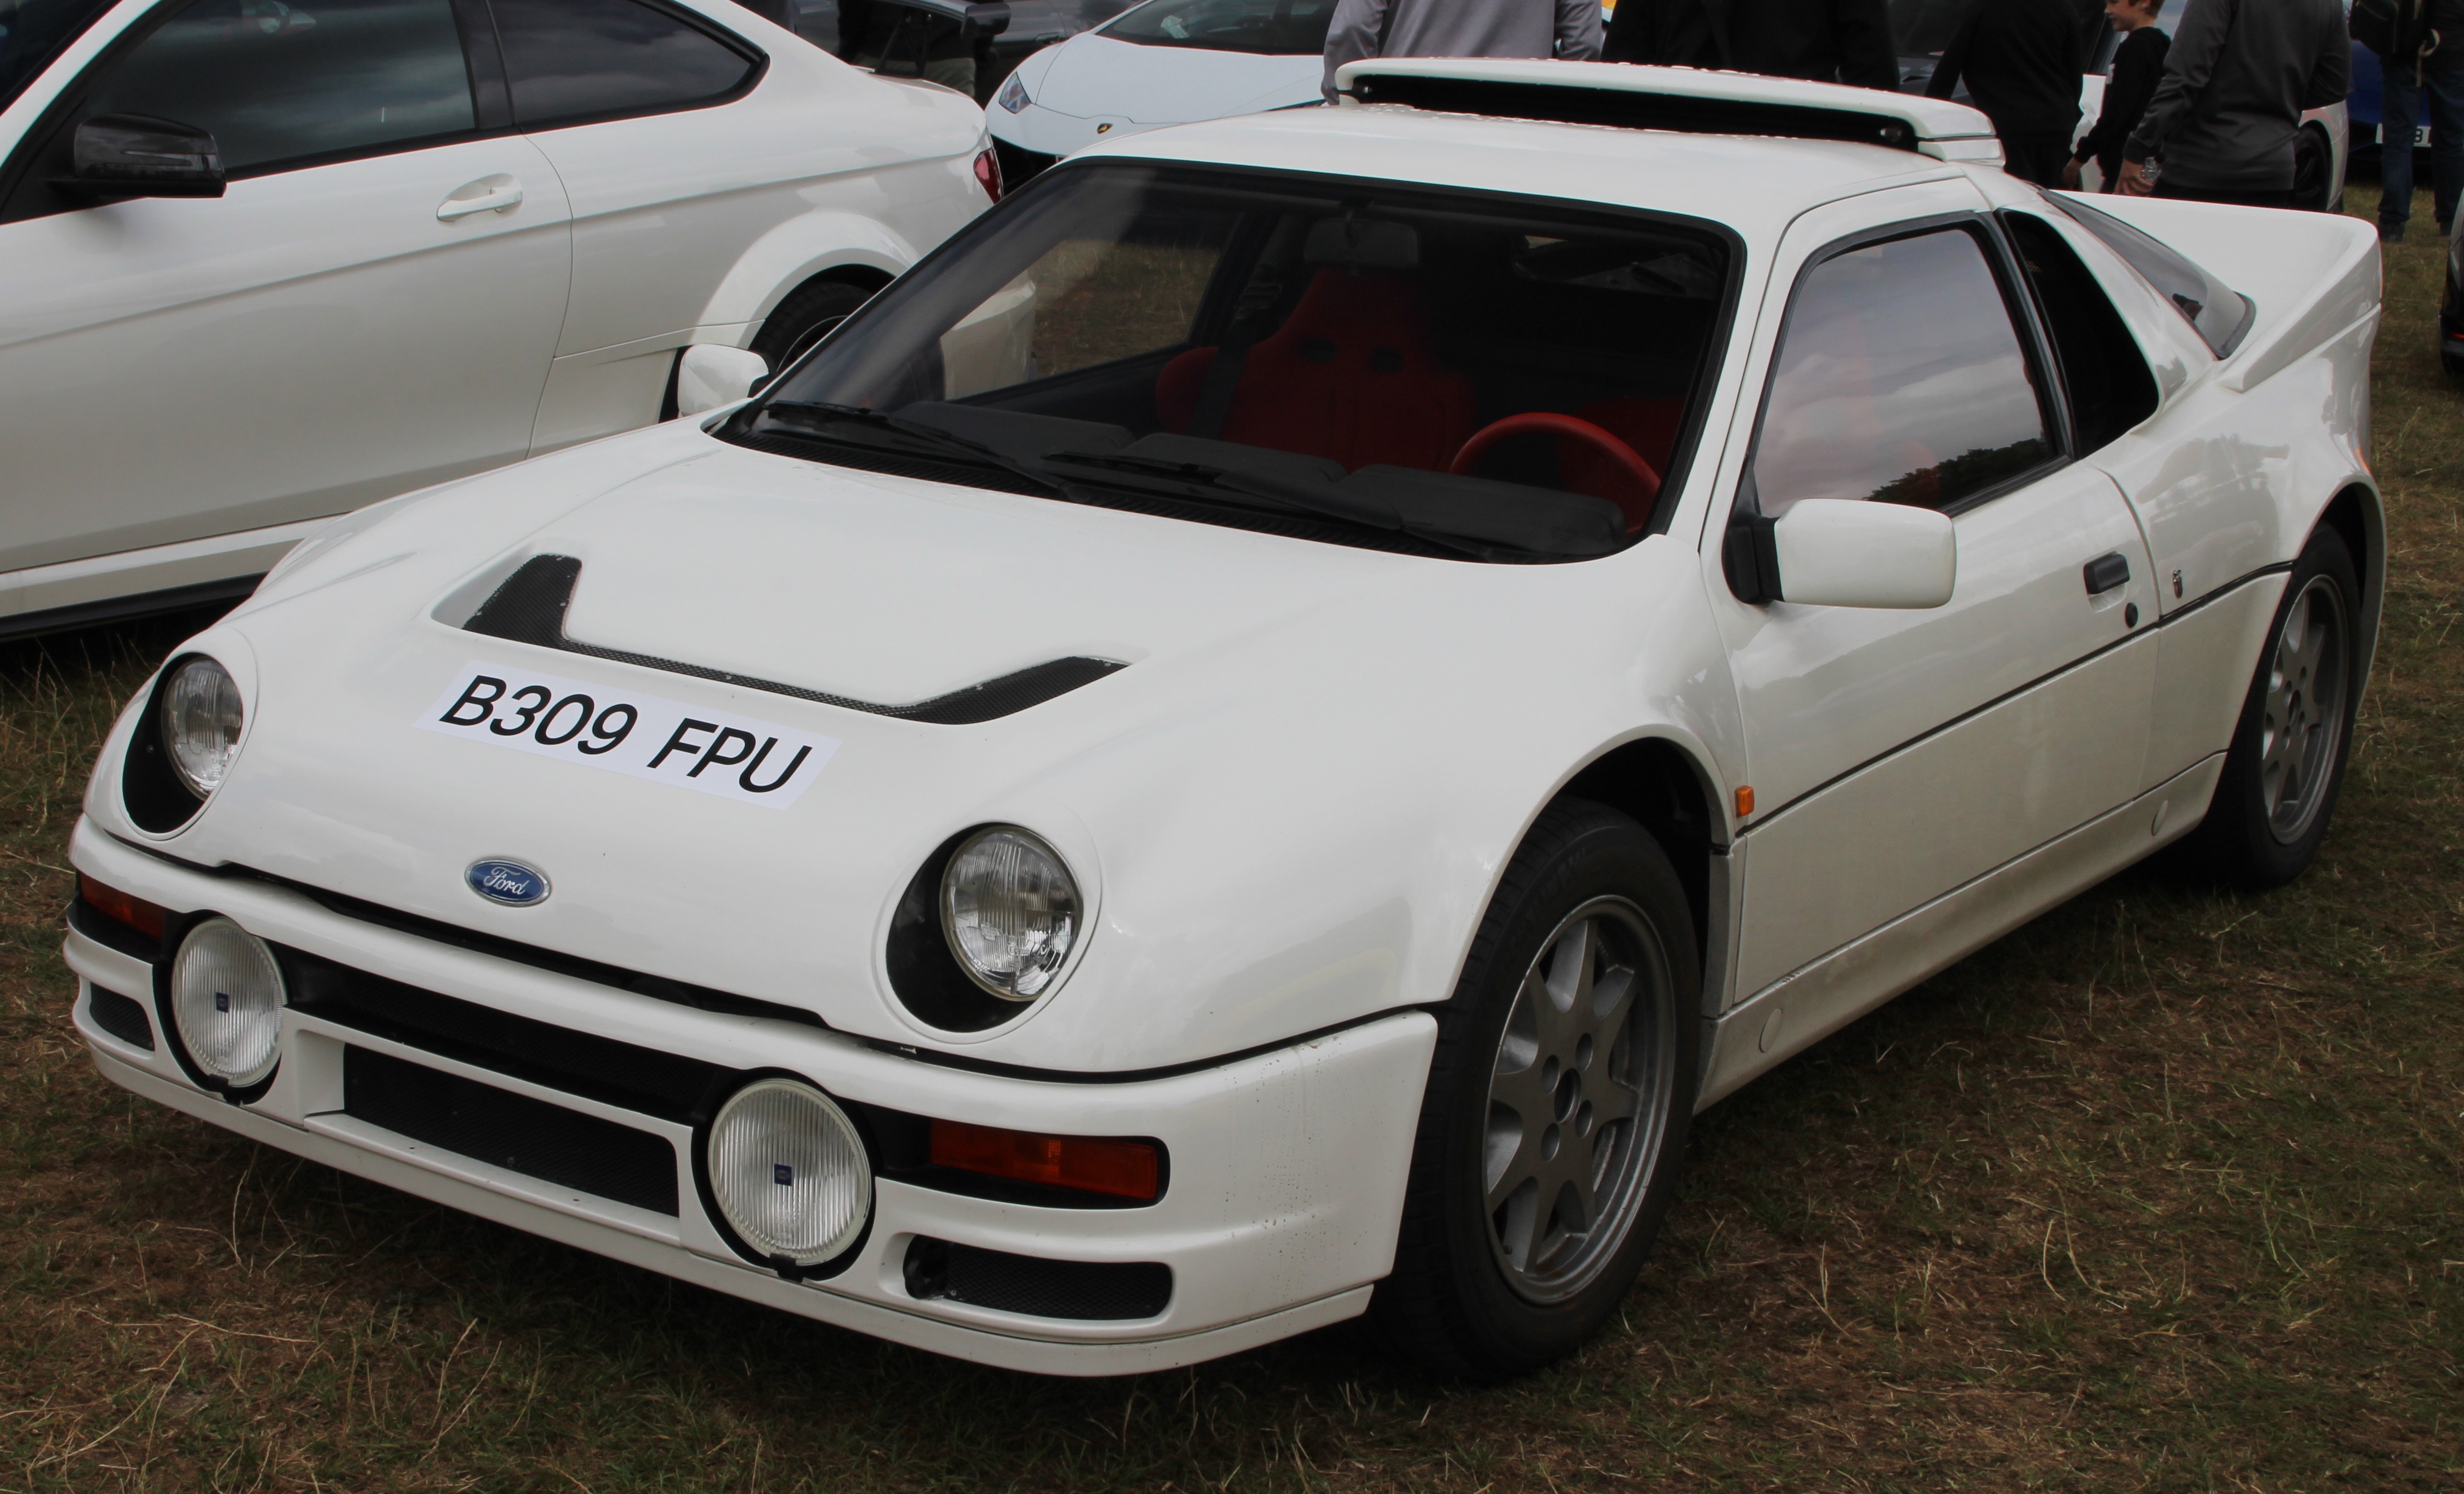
x=529, y=608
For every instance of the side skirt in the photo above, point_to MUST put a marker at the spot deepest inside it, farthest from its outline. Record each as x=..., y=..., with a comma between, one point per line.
x=1803, y=1007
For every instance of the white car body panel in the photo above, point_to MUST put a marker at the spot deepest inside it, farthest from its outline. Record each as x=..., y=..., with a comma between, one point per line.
x=1290, y=808
x=1093, y=87
x=317, y=338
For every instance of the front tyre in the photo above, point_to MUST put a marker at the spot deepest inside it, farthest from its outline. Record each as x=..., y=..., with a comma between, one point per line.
x=1554, y=1122
x=2287, y=760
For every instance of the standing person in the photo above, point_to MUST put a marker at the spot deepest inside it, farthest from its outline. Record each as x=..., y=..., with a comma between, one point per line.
x=2138, y=66
x=1829, y=41
x=2421, y=52
x=1460, y=29
x=2023, y=60
x=2236, y=79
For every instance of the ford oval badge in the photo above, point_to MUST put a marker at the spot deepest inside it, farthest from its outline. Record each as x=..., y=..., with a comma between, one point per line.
x=507, y=882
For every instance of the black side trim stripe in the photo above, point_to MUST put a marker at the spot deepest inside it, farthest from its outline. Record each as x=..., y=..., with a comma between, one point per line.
x=1974, y=712
x=530, y=609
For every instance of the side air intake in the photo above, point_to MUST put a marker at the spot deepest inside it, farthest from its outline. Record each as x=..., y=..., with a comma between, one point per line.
x=530, y=609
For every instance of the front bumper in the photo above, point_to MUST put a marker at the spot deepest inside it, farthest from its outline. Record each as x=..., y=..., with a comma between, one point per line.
x=1287, y=1167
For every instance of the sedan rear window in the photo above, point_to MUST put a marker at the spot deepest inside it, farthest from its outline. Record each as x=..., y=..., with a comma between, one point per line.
x=1275, y=27
x=2220, y=312
x=1406, y=368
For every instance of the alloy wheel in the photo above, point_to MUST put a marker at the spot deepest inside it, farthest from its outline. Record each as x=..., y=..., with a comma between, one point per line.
x=2303, y=725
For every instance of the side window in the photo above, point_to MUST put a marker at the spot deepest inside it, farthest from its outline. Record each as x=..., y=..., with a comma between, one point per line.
x=2104, y=373
x=1900, y=378
x=577, y=59
x=278, y=81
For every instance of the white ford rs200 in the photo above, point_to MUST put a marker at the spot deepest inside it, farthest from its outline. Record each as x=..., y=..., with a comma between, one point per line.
x=1249, y=741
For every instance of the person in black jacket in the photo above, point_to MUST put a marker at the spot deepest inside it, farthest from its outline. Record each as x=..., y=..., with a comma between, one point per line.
x=2023, y=60
x=2238, y=75
x=2138, y=65
x=1831, y=41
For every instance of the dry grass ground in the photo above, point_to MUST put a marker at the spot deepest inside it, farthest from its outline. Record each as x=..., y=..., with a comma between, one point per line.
x=2159, y=1193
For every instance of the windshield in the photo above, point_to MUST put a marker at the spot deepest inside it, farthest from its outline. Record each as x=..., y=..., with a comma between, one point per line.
x=1432, y=371
x=35, y=32
x=1280, y=27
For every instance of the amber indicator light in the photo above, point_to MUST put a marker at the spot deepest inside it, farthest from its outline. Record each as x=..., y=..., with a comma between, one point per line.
x=1123, y=1169
x=1744, y=799
x=112, y=903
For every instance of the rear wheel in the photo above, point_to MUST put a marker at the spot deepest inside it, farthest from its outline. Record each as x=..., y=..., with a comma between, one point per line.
x=1554, y=1121
x=2287, y=760
x=2313, y=169
x=809, y=314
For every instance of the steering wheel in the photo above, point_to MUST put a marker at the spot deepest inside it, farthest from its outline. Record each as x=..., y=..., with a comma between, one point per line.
x=1540, y=422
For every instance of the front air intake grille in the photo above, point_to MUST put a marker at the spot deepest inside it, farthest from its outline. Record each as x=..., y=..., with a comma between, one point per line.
x=1082, y=1291
x=120, y=1017
x=511, y=1130
x=529, y=608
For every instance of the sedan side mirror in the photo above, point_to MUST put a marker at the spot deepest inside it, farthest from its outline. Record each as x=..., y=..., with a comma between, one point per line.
x=709, y=376
x=135, y=155
x=1846, y=553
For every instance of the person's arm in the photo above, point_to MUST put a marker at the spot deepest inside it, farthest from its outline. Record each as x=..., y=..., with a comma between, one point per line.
x=1352, y=34
x=2331, y=69
x=1861, y=31
x=1954, y=57
x=1578, y=29
x=2189, y=64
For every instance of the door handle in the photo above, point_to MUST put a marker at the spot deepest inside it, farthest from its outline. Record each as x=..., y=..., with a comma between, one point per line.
x=2106, y=572
x=488, y=194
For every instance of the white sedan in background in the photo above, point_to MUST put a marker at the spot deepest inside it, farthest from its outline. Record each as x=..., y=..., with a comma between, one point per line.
x=1251, y=740
x=1165, y=62
x=268, y=260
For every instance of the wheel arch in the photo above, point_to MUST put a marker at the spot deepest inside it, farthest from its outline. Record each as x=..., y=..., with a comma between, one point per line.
x=813, y=245
x=2356, y=515
x=1669, y=790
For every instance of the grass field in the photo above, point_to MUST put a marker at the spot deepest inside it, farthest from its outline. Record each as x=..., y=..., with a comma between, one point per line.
x=2162, y=1192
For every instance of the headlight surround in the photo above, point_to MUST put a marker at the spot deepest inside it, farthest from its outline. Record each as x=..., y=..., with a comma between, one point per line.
x=1013, y=95
x=226, y=999
x=201, y=721
x=788, y=1173
x=1010, y=911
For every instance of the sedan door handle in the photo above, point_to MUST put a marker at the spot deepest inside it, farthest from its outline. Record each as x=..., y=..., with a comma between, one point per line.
x=489, y=194
x=2106, y=572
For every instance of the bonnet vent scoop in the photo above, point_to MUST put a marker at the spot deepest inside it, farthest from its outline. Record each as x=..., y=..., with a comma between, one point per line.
x=530, y=607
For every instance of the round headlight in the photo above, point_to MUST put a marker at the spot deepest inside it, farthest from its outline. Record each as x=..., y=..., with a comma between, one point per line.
x=201, y=721
x=788, y=1172
x=1010, y=910
x=227, y=1002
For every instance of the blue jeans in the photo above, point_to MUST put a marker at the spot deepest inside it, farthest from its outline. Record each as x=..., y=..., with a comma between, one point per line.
x=2399, y=110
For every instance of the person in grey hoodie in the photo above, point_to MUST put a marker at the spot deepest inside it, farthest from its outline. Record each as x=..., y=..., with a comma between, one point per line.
x=1460, y=29
x=2240, y=72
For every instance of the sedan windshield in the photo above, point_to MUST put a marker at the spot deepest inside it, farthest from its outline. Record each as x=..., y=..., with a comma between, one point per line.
x=1280, y=27
x=1430, y=371
x=35, y=32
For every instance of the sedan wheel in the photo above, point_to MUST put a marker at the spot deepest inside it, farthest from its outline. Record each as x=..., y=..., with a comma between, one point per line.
x=1558, y=1096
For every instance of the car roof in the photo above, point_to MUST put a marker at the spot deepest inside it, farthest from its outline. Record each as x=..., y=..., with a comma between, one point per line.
x=1755, y=184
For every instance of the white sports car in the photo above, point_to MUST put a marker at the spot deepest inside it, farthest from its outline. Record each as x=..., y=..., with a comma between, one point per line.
x=268, y=260
x=1251, y=740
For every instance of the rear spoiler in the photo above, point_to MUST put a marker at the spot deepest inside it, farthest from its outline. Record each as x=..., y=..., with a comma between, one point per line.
x=1690, y=100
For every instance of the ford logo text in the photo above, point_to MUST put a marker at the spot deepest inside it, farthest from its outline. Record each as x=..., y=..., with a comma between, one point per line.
x=507, y=882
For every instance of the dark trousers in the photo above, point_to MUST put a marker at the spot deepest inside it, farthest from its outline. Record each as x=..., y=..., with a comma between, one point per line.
x=2166, y=187
x=2399, y=109
x=2037, y=158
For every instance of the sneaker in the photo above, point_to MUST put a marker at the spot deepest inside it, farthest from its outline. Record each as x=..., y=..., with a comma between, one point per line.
x=2391, y=232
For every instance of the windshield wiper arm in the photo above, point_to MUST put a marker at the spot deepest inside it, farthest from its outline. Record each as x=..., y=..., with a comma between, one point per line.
x=1317, y=499
x=932, y=436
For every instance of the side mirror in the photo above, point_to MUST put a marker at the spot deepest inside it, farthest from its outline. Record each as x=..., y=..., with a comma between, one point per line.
x=134, y=155
x=709, y=376
x=1845, y=553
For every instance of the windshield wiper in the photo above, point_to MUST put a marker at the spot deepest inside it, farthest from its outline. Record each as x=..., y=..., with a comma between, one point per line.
x=931, y=437
x=1290, y=495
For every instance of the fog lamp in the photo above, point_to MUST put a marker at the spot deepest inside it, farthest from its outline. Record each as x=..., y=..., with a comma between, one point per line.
x=1010, y=910
x=227, y=1002
x=788, y=1172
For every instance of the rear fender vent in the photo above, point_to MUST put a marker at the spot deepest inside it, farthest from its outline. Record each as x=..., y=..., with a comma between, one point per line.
x=530, y=609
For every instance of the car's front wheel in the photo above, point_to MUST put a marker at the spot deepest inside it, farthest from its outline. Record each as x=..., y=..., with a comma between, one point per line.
x=2287, y=760
x=1554, y=1121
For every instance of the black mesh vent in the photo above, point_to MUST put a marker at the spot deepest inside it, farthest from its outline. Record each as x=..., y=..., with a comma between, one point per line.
x=1036, y=1288
x=120, y=1017
x=663, y=1085
x=511, y=1130
x=530, y=609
